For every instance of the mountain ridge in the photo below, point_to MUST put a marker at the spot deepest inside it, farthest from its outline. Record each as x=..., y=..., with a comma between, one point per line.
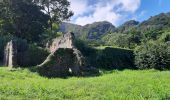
x=96, y=30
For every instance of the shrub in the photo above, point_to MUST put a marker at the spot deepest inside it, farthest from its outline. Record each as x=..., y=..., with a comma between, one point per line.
x=153, y=55
x=121, y=40
x=165, y=37
x=33, y=56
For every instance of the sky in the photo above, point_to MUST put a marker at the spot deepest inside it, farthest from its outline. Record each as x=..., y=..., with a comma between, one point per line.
x=116, y=11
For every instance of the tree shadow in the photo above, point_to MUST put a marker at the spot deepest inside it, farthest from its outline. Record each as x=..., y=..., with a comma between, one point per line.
x=88, y=72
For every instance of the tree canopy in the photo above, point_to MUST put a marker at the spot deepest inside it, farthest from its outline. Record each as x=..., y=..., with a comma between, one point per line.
x=27, y=19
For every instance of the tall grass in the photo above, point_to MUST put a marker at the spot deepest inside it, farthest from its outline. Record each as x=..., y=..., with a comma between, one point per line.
x=115, y=85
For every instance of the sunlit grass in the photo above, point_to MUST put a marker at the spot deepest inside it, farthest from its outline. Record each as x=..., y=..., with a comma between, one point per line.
x=126, y=85
x=103, y=47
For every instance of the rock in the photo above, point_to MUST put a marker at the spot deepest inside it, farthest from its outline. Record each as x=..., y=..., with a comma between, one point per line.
x=10, y=54
x=65, y=58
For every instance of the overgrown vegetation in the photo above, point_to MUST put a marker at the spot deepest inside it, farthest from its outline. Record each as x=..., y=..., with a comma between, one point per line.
x=153, y=55
x=106, y=57
x=32, y=56
x=127, y=84
x=31, y=19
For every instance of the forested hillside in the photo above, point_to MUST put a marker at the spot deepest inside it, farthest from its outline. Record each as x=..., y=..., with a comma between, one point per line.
x=92, y=31
x=131, y=32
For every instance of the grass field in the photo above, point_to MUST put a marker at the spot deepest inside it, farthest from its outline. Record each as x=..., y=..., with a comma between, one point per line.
x=115, y=85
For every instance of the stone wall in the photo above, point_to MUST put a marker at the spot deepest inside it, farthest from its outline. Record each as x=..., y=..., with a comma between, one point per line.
x=10, y=54
x=65, y=41
x=64, y=59
x=18, y=52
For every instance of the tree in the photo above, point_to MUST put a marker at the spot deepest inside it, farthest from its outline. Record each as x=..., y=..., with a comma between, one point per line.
x=153, y=54
x=56, y=9
x=31, y=19
x=22, y=19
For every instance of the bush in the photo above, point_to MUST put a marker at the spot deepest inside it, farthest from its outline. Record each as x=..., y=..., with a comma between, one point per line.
x=165, y=37
x=33, y=56
x=121, y=40
x=153, y=55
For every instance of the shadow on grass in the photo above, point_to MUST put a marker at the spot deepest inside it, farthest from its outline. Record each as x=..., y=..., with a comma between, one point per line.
x=88, y=72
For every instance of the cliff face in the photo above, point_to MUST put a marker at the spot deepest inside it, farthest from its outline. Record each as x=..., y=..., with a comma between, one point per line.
x=90, y=31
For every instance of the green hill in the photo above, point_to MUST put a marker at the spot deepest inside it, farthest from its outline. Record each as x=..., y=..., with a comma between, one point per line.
x=90, y=31
x=127, y=26
x=152, y=28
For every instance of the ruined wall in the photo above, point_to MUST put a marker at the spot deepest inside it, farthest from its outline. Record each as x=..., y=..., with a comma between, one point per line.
x=18, y=52
x=65, y=41
x=10, y=54
x=64, y=59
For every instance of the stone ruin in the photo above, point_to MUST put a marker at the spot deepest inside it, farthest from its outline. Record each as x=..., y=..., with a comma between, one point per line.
x=64, y=59
x=10, y=54
x=65, y=41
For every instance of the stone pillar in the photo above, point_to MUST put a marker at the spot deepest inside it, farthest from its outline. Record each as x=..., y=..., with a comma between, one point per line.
x=10, y=54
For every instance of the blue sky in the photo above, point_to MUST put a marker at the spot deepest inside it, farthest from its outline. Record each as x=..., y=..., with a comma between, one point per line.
x=116, y=11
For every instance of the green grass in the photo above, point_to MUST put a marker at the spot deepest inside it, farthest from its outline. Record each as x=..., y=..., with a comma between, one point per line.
x=115, y=85
x=116, y=47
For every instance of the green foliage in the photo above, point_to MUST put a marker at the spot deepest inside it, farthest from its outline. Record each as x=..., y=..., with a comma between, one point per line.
x=158, y=22
x=31, y=19
x=32, y=56
x=121, y=40
x=118, y=85
x=22, y=19
x=152, y=33
x=82, y=46
x=57, y=10
x=165, y=37
x=153, y=55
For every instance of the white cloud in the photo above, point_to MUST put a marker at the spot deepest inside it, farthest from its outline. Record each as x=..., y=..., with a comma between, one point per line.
x=79, y=7
x=104, y=13
x=113, y=11
x=129, y=5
